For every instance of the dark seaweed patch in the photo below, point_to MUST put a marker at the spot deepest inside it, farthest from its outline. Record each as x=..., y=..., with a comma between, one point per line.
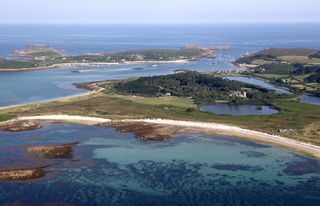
x=253, y=154
x=235, y=167
x=306, y=166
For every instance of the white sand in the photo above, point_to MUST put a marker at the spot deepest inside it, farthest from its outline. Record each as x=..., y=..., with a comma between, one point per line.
x=226, y=129
x=67, y=118
x=237, y=131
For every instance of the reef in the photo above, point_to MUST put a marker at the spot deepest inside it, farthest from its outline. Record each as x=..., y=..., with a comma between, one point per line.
x=55, y=151
x=21, y=174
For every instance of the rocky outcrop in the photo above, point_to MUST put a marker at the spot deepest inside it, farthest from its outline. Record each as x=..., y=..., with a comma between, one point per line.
x=21, y=125
x=21, y=174
x=54, y=152
x=148, y=132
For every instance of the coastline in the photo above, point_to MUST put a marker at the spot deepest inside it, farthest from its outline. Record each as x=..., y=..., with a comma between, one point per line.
x=206, y=127
x=60, y=65
x=66, y=98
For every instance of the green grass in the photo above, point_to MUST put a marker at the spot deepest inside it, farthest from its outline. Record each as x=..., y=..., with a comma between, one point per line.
x=46, y=54
x=11, y=64
x=279, y=69
x=166, y=100
x=278, y=52
x=300, y=59
x=4, y=117
x=271, y=76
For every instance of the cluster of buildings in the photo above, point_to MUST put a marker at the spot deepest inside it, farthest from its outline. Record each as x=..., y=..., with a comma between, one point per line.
x=231, y=71
x=238, y=94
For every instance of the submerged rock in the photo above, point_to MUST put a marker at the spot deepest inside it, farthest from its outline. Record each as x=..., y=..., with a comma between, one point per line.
x=55, y=151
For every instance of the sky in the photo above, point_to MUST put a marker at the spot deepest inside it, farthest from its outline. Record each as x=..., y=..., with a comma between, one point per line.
x=158, y=11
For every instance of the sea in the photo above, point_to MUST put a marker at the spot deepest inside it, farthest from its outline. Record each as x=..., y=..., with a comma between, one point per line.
x=109, y=167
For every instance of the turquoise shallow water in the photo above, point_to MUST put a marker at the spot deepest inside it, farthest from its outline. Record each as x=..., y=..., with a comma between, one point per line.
x=112, y=168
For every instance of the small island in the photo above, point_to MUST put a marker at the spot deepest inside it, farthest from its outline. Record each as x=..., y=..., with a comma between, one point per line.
x=35, y=57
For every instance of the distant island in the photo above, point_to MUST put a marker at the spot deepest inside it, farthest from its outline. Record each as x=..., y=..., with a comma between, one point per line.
x=35, y=57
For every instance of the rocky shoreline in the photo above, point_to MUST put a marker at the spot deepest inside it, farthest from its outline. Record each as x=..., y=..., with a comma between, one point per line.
x=21, y=125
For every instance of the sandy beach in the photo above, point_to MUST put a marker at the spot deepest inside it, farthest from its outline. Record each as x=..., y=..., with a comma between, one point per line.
x=67, y=118
x=202, y=126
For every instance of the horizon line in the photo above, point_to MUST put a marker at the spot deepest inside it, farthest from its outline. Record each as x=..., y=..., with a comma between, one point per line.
x=158, y=23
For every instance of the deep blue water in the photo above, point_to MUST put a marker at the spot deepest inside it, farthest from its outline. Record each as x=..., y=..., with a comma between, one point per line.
x=112, y=168
x=25, y=87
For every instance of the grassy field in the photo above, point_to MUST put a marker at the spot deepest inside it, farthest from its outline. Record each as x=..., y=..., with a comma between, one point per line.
x=166, y=100
x=279, y=52
x=261, y=62
x=270, y=76
x=46, y=54
x=4, y=117
x=11, y=64
x=295, y=120
x=301, y=59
